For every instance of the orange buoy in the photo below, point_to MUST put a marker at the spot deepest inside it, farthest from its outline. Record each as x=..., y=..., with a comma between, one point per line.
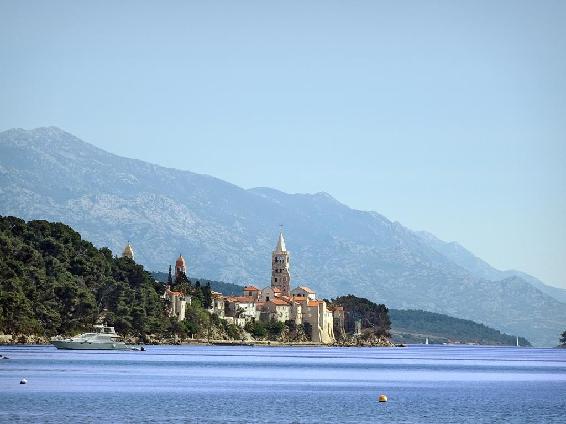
x=382, y=398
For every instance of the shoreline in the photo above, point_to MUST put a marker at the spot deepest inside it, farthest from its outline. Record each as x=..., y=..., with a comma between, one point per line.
x=44, y=341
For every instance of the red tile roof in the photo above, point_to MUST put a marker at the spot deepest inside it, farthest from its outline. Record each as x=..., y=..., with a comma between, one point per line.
x=240, y=299
x=251, y=288
x=279, y=302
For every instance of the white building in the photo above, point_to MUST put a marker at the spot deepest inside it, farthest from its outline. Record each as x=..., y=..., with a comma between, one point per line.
x=240, y=307
x=303, y=292
x=176, y=303
x=252, y=291
x=217, y=306
x=269, y=293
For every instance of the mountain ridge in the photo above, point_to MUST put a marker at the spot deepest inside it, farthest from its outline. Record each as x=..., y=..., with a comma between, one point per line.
x=227, y=232
x=481, y=269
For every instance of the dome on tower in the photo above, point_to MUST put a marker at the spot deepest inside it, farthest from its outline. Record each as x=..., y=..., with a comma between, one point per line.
x=128, y=251
x=180, y=263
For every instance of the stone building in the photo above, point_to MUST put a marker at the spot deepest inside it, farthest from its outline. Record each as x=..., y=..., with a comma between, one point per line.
x=269, y=293
x=217, y=306
x=252, y=291
x=321, y=321
x=303, y=292
x=176, y=303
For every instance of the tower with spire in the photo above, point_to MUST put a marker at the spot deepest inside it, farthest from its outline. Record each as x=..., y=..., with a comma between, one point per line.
x=280, y=276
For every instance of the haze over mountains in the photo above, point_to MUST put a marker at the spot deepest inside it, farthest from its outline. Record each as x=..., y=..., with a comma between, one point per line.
x=227, y=233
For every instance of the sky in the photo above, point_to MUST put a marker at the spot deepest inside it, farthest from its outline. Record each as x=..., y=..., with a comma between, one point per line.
x=447, y=116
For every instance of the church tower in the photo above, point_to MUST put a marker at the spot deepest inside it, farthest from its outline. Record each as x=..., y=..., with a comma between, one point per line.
x=128, y=252
x=280, y=276
x=180, y=266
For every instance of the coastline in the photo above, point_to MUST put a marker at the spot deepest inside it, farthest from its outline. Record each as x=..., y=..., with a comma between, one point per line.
x=9, y=340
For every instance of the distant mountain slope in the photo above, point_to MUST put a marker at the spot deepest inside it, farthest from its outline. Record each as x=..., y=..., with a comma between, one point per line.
x=413, y=326
x=481, y=269
x=227, y=233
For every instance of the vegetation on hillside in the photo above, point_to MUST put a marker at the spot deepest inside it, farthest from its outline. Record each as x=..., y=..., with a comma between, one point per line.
x=373, y=317
x=279, y=331
x=53, y=282
x=227, y=289
x=563, y=338
x=414, y=326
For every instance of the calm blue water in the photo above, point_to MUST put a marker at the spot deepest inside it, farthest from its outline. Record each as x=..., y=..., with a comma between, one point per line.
x=425, y=384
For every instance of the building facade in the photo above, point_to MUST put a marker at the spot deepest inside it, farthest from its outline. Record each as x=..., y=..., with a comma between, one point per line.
x=176, y=303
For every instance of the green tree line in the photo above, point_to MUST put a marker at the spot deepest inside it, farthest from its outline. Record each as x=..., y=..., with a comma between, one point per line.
x=373, y=317
x=54, y=282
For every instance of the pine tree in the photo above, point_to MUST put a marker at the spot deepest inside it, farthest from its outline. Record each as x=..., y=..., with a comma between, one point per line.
x=206, y=296
x=182, y=283
x=170, y=277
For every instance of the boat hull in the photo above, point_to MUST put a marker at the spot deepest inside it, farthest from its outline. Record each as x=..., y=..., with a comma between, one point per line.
x=68, y=345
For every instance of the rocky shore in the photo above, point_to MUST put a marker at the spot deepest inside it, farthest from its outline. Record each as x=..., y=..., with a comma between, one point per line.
x=152, y=340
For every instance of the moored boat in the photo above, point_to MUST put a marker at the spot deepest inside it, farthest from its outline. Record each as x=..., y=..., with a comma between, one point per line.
x=102, y=338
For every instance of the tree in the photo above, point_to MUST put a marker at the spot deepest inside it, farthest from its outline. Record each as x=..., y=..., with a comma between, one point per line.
x=563, y=338
x=206, y=296
x=274, y=329
x=374, y=318
x=170, y=277
x=182, y=283
x=256, y=329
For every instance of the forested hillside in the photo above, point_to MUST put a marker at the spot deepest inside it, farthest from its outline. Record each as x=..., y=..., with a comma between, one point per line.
x=372, y=317
x=54, y=282
x=413, y=326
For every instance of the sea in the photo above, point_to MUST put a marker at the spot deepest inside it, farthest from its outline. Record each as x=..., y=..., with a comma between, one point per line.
x=245, y=384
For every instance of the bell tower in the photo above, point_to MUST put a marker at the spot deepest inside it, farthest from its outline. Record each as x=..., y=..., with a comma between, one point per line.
x=180, y=266
x=280, y=276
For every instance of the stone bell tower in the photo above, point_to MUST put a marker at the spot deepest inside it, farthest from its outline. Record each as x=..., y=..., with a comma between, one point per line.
x=180, y=267
x=280, y=276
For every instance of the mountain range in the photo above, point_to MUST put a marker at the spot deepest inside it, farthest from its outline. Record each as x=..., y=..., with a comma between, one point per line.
x=227, y=233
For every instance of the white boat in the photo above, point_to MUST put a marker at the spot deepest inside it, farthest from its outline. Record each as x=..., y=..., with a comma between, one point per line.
x=103, y=338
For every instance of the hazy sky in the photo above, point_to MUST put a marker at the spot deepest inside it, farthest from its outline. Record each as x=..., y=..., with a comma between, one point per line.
x=446, y=116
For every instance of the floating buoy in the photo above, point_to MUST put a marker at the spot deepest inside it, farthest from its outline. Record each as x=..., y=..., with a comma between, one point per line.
x=382, y=398
x=23, y=381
